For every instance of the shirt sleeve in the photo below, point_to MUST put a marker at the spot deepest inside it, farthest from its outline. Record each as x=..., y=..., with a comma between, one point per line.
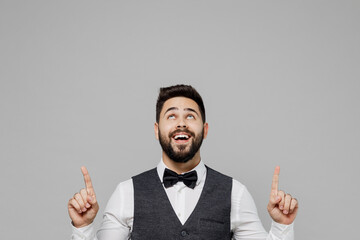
x=245, y=222
x=117, y=219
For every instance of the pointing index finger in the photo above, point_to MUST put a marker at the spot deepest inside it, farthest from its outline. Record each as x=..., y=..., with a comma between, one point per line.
x=87, y=179
x=275, y=180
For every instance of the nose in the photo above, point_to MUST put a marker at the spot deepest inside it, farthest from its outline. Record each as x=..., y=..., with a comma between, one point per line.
x=181, y=123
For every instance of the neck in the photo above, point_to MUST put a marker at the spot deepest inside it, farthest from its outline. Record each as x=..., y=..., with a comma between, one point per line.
x=179, y=167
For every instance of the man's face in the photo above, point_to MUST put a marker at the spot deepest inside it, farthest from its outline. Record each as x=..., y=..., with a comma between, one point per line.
x=180, y=129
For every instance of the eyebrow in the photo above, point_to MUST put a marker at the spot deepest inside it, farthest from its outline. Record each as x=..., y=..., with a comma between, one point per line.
x=185, y=109
x=191, y=110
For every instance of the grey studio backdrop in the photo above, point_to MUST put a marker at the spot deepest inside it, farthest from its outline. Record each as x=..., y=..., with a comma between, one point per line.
x=79, y=82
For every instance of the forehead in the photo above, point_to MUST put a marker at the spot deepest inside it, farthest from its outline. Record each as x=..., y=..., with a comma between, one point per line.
x=180, y=103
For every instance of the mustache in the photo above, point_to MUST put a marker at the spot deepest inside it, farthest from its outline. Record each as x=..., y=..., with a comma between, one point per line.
x=181, y=131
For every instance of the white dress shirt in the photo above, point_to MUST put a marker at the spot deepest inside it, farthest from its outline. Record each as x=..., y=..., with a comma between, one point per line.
x=119, y=213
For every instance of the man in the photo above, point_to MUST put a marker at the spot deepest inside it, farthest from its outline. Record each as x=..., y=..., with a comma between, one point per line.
x=181, y=198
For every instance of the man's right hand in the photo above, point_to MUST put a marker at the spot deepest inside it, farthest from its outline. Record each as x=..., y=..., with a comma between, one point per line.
x=83, y=207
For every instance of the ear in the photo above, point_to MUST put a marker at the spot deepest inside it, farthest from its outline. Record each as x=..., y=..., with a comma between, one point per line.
x=156, y=130
x=206, y=129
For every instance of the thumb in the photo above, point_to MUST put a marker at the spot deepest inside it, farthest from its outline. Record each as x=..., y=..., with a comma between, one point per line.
x=91, y=199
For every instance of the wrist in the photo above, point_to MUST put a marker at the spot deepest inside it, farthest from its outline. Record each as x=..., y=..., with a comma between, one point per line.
x=79, y=225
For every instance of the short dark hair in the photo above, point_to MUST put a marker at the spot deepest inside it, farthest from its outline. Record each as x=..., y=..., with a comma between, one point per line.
x=179, y=91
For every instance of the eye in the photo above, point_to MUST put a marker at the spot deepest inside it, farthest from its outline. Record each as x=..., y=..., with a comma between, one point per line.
x=171, y=117
x=190, y=117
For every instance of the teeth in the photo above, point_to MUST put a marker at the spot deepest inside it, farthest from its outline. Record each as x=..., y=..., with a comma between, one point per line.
x=181, y=136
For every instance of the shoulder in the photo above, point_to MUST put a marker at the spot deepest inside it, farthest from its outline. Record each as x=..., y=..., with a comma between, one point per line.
x=238, y=187
x=214, y=173
x=122, y=191
x=121, y=198
x=145, y=174
x=125, y=186
x=240, y=194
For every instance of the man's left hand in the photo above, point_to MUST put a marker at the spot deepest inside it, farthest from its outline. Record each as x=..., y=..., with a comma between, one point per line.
x=282, y=207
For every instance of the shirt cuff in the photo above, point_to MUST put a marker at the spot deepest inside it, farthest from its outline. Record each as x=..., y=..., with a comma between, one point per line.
x=83, y=232
x=281, y=231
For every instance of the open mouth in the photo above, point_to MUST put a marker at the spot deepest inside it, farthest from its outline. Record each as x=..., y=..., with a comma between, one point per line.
x=181, y=137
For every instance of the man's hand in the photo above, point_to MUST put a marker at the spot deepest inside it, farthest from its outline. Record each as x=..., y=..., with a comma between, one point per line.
x=282, y=207
x=83, y=207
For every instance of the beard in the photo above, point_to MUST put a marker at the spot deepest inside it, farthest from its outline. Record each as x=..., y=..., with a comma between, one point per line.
x=181, y=155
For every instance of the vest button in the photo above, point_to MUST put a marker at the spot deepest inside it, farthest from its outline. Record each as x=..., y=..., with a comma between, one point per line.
x=184, y=233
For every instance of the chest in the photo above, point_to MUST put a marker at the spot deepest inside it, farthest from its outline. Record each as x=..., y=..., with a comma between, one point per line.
x=156, y=218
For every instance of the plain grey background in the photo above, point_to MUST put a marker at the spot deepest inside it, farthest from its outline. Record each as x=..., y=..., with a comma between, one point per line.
x=79, y=82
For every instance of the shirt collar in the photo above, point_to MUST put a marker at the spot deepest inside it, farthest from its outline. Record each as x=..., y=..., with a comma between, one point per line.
x=200, y=170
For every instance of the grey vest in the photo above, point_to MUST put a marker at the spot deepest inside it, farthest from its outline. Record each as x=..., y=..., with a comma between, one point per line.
x=155, y=219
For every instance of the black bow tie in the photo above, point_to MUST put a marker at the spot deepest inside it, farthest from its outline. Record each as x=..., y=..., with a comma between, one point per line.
x=170, y=178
